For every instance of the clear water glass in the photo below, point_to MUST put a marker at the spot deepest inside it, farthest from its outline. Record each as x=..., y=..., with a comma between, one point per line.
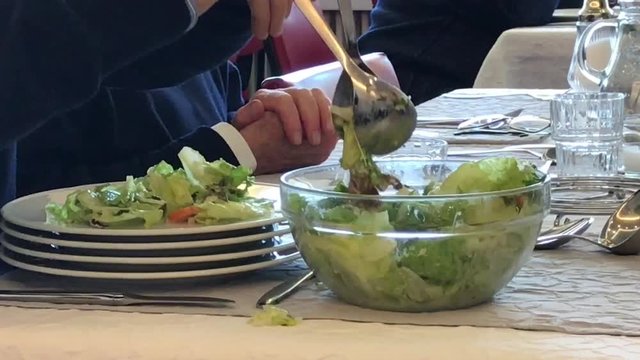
x=587, y=129
x=420, y=147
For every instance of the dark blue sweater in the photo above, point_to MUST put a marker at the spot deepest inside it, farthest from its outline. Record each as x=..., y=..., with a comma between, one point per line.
x=105, y=90
x=122, y=132
x=439, y=45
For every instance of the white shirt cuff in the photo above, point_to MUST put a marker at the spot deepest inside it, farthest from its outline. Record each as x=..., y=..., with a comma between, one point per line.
x=191, y=5
x=236, y=142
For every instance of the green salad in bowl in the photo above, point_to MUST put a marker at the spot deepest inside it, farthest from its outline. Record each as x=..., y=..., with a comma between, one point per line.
x=450, y=235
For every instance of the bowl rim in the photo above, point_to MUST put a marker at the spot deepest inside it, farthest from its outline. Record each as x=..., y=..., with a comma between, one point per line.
x=286, y=178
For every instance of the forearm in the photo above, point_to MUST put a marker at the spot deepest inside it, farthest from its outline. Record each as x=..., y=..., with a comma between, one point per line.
x=55, y=53
x=219, y=34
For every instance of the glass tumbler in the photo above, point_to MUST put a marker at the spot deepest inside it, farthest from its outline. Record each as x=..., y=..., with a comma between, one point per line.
x=587, y=129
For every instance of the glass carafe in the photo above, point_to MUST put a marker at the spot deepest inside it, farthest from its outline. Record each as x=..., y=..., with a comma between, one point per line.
x=622, y=72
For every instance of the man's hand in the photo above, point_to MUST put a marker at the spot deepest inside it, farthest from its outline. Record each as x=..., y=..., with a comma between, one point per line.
x=267, y=140
x=305, y=114
x=203, y=5
x=267, y=17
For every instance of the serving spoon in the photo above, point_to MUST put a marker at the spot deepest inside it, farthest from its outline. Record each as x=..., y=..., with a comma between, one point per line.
x=383, y=116
x=620, y=235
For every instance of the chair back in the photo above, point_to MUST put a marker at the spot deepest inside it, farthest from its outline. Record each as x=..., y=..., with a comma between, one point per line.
x=325, y=77
x=299, y=46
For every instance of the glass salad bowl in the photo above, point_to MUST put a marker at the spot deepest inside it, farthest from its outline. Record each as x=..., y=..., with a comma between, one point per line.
x=406, y=251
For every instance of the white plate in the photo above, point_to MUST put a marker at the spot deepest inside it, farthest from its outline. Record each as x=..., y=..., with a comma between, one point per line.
x=286, y=243
x=29, y=212
x=178, y=245
x=279, y=259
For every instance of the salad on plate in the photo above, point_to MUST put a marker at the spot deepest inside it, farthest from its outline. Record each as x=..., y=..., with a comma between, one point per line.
x=201, y=192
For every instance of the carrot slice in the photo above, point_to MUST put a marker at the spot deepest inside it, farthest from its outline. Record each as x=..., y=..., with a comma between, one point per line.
x=182, y=215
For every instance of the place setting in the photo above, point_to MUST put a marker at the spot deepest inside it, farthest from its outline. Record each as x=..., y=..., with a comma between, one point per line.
x=468, y=116
x=126, y=231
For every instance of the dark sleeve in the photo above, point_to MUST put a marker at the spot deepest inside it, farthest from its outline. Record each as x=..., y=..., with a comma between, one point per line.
x=205, y=140
x=219, y=34
x=55, y=53
x=506, y=14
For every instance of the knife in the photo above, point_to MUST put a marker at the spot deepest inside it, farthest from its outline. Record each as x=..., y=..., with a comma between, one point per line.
x=109, y=299
x=480, y=131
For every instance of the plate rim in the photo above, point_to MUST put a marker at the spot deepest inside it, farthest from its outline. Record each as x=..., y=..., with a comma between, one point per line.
x=165, y=245
x=277, y=217
x=188, y=274
x=163, y=260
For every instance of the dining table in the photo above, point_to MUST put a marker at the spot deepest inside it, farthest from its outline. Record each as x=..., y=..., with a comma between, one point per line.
x=576, y=302
x=536, y=57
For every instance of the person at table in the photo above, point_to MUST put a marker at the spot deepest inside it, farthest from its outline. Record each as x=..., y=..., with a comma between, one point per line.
x=114, y=107
x=437, y=46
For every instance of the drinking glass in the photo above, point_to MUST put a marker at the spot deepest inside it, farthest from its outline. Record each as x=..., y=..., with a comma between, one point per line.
x=420, y=147
x=587, y=129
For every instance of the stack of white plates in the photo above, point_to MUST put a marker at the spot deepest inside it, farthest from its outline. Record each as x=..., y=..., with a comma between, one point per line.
x=160, y=253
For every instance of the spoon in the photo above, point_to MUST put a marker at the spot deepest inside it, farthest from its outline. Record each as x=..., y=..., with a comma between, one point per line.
x=384, y=116
x=620, y=235
x=492, y=121
x=528, y=123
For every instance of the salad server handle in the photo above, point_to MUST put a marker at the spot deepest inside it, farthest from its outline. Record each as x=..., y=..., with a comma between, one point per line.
x=283, y=290
x=108, y=299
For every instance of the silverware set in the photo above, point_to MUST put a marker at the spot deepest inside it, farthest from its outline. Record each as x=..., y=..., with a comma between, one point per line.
x=511, y=123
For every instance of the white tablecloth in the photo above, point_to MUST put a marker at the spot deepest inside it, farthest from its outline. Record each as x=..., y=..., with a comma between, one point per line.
x=535, y=58
x=88, y=335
